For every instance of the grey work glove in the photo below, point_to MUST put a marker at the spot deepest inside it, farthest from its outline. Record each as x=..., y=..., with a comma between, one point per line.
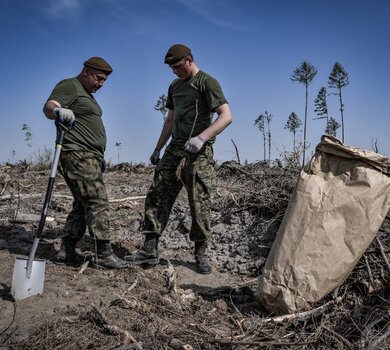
x=194, y=144
x=64, y=115
x=155, y=157
x=103, y=165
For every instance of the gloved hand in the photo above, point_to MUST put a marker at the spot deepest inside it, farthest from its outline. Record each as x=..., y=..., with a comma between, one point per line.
x=194, y=144
x=155, y=157
x=64, y=115
x=103, y=165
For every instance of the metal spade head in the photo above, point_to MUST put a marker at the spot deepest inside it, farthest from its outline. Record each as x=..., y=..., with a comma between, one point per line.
x=23, y=286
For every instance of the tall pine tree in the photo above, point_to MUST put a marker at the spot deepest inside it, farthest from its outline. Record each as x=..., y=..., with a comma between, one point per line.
x=304, y=75
x=260, y=122
x=321, y=105
x=293, y=124
x=339, y=79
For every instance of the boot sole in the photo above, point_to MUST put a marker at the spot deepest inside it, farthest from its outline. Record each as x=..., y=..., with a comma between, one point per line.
x=154, y=261
x=204, y=272
x=97, y=266
x=69, y=262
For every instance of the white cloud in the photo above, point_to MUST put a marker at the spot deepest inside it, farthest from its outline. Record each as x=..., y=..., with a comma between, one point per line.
x=211, y=11
x=61, y=7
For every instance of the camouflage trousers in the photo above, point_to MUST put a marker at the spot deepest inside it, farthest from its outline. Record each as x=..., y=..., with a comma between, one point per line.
x=82, y=173
x=196, y=176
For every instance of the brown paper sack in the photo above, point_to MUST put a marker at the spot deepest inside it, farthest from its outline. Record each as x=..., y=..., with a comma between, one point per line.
x=337, y=208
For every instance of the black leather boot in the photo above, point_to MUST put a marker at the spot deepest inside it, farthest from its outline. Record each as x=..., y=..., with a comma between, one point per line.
x=201, y=260
x=106, y=257
x=68, y=254
x=148, y=254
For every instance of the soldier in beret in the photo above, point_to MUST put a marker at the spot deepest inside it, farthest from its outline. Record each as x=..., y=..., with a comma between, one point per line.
x=192, y=101
x=82, y=156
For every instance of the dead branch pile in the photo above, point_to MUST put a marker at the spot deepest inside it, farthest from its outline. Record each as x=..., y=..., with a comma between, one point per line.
x=223, y=318
x=257, y=187
x=248, y=206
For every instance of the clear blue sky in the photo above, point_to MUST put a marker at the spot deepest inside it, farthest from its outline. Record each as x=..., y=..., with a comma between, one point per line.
x=251, y=47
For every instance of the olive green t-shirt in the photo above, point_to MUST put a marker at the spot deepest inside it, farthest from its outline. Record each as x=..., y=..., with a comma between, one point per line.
x=193, y=103
x=88, y=133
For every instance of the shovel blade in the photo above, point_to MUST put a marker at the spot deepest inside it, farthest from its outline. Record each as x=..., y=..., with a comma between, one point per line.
x=23, y=287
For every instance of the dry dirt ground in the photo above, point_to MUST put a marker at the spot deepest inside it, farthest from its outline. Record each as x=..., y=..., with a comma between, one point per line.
x=170, y=306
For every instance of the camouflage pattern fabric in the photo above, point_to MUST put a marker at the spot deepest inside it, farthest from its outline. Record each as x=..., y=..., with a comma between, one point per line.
x=83, y=175
x=197, y=176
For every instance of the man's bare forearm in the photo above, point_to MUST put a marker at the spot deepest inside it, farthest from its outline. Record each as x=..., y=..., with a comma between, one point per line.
x=48, y=109
x=223, y=120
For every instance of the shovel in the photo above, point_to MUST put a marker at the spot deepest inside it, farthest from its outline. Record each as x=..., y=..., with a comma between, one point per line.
x=29, y=274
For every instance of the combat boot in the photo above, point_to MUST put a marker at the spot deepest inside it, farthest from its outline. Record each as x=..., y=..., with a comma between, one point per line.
x=106, y=257
x=201, y=260
x=68, y=254
x=147, y=254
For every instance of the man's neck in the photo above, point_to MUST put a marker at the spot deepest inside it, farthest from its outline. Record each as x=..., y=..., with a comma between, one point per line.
x=195, y=70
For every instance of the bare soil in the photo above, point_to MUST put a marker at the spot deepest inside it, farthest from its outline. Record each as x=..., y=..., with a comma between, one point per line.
x=170, y=306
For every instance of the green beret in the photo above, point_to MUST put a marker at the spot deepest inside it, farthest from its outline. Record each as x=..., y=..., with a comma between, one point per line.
x=176, y=53
x=99, y=64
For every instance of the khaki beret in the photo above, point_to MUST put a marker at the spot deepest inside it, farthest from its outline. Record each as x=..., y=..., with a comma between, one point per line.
x=99, y=64
x=176, y=53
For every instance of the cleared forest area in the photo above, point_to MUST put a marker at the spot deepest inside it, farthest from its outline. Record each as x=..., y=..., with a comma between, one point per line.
x=170, y=306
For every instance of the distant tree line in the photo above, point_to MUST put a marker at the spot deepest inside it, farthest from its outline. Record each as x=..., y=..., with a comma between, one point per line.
x=304, y=74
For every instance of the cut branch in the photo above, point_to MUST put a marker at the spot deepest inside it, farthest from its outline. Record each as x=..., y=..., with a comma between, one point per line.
x=127, y=337
x=63, y=196
x=300, y=316
x=374, y=345
x=383, y=253
x=236, y=149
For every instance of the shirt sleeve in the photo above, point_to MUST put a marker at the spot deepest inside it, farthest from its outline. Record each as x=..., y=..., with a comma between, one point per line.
x=213, y=93
x=64, y=93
